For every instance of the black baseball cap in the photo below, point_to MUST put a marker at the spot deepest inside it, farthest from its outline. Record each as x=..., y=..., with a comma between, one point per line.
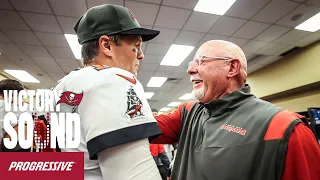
x=109, y=19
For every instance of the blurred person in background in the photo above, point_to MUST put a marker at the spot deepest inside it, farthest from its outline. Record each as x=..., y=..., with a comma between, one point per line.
x=9, y=84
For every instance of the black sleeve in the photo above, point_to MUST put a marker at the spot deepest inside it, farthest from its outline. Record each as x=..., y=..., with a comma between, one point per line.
x=165, y=160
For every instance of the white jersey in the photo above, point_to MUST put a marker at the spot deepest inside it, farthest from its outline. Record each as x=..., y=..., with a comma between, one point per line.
x=116, y=121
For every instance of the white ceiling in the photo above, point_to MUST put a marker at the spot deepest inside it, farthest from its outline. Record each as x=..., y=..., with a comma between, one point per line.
x=32, y=36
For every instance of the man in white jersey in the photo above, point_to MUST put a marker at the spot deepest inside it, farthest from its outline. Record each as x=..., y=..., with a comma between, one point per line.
x=116, y=119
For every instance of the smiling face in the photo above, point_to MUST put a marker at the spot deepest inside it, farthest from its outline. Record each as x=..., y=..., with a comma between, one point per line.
x=218, y=73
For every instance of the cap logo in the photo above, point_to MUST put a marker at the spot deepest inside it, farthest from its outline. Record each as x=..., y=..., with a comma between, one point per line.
x=132, y=16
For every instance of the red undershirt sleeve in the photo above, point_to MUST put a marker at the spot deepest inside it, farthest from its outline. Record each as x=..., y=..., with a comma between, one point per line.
x=303, y=155
x=170, y=125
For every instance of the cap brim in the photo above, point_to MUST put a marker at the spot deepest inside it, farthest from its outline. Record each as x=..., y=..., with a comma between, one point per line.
x=146, y=34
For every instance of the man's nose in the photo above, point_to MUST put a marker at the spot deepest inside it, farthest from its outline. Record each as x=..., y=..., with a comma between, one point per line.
x=192, y=69
x=140, y=55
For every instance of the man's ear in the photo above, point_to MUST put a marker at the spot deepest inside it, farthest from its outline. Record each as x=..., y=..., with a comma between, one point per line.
x=235, y=67
x=104, y=45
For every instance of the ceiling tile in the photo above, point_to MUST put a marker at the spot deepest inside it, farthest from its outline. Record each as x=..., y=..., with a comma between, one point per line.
x=4, y=60
x=165, y=17
x=195, y=22
x=67, y=62
x=309, y=39
x=272, y=33
x=209, y=37
x=36, y=51
x=275, y=10
x=314, y=2
x=4, y=4
x=151, y=1
x=253, y=46
x=67, y=24
x=73, y=8
x=51, y=39
x=271, y=49
x=307, y=11
x=143, y=46
x=246, y=8
x=178, y=75
x=68, y=69
x=148, y=66
x=11, y=50
x=48, y=64
x=37, y=6
x=238, y=41
x=251, y=29
x=166, y=36
x=22, y=60
x=187, y=4
x=250, y=56
x=4, y=39
x=189, y=38
x=269, y=60
x=166, y=69
x=12, y=20
x=144, y=76
x=144, y=13
x=9, y=66
x=254, y=68
x=42, y=22
x=44, y=60
x=227, y=26
x=22, y=37
x=285, y=49
x=157, y=48
x=291, y=37
x=56, y=76
x=148, y=58
x=59, y=52
x=92, y=3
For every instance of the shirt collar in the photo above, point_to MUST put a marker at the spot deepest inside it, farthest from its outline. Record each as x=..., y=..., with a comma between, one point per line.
x=230, y=101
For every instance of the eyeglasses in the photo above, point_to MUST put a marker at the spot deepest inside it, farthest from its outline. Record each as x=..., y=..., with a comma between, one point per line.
x=200, y=59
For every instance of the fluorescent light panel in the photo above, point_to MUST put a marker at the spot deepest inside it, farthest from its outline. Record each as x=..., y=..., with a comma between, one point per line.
x=218, y=7
x=74, y=45
x=311, y=25
x=23, y=76
x=156, y=81
x=174, y=104
x=148, y=95
x=186, y=96
x=176, y=55
x=165, y=109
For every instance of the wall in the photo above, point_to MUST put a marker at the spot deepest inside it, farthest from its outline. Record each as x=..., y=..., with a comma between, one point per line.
x=301, y=101
x=296, y=70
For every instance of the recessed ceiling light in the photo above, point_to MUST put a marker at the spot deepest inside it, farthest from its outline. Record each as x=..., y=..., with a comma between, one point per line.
x=176, y=55
x=186, y=96
x=74, y=45
x=156, y=81
x=311, y=25
x=22, y=76
x=174, y=104
x=148, y=95
x=218, y=7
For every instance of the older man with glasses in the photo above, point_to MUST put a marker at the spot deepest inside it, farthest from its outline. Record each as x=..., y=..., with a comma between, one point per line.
x=231, y=134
